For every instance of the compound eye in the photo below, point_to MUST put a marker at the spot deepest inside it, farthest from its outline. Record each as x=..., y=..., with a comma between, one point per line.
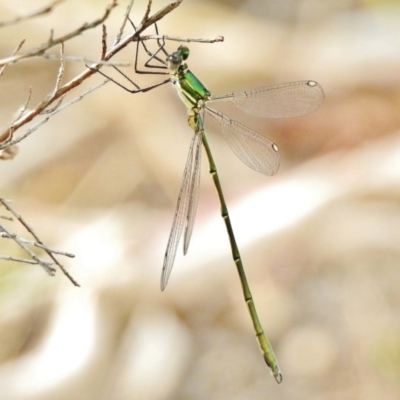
x=174, y=61
x=184, y=51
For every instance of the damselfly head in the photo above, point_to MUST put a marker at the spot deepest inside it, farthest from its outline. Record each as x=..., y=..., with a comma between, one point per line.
x=176, y=59
x=184, y=51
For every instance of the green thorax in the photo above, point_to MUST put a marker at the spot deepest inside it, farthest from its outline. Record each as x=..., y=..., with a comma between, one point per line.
x=191, y=90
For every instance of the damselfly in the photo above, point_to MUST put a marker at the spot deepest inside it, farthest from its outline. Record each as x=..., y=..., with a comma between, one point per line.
x=259, y=153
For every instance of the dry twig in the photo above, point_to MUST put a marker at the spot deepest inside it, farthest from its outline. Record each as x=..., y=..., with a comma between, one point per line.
x=43, y=10
x=7, y=135
x=23, y=244
x=52, y=104
x=53, y=42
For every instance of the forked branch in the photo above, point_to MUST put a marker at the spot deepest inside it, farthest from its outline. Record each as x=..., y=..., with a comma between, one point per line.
x=26, y=244
x=7, y=136
x=55, y=102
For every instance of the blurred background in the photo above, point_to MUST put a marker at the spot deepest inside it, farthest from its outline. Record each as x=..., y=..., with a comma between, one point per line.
x=319, y=241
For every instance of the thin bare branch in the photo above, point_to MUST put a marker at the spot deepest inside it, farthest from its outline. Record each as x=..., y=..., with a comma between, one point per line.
x=158, y=15
x=25, y=105
x=147, y=13
x=52, y=105
x=8, y=140
x=46, y=265
x=36, y=244
x=53, y=42
x=103, y=42
x=78, y=98
x=21, y=260
x=87, y=73
x=126, y=16
x=81, y=59
x=51, y=36
x=180, y=39
x=136, y=35
x=43, y=10
x=17, y=240
x=60, y=72
x=17, y=49
x=54, y=111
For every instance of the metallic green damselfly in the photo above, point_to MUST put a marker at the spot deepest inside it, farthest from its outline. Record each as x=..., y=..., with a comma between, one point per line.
x=259, y=153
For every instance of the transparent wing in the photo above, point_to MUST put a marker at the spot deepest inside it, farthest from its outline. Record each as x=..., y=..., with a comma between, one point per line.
x=193, y=194
x=279, y=101
x=254, y=150
x=181, y=213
